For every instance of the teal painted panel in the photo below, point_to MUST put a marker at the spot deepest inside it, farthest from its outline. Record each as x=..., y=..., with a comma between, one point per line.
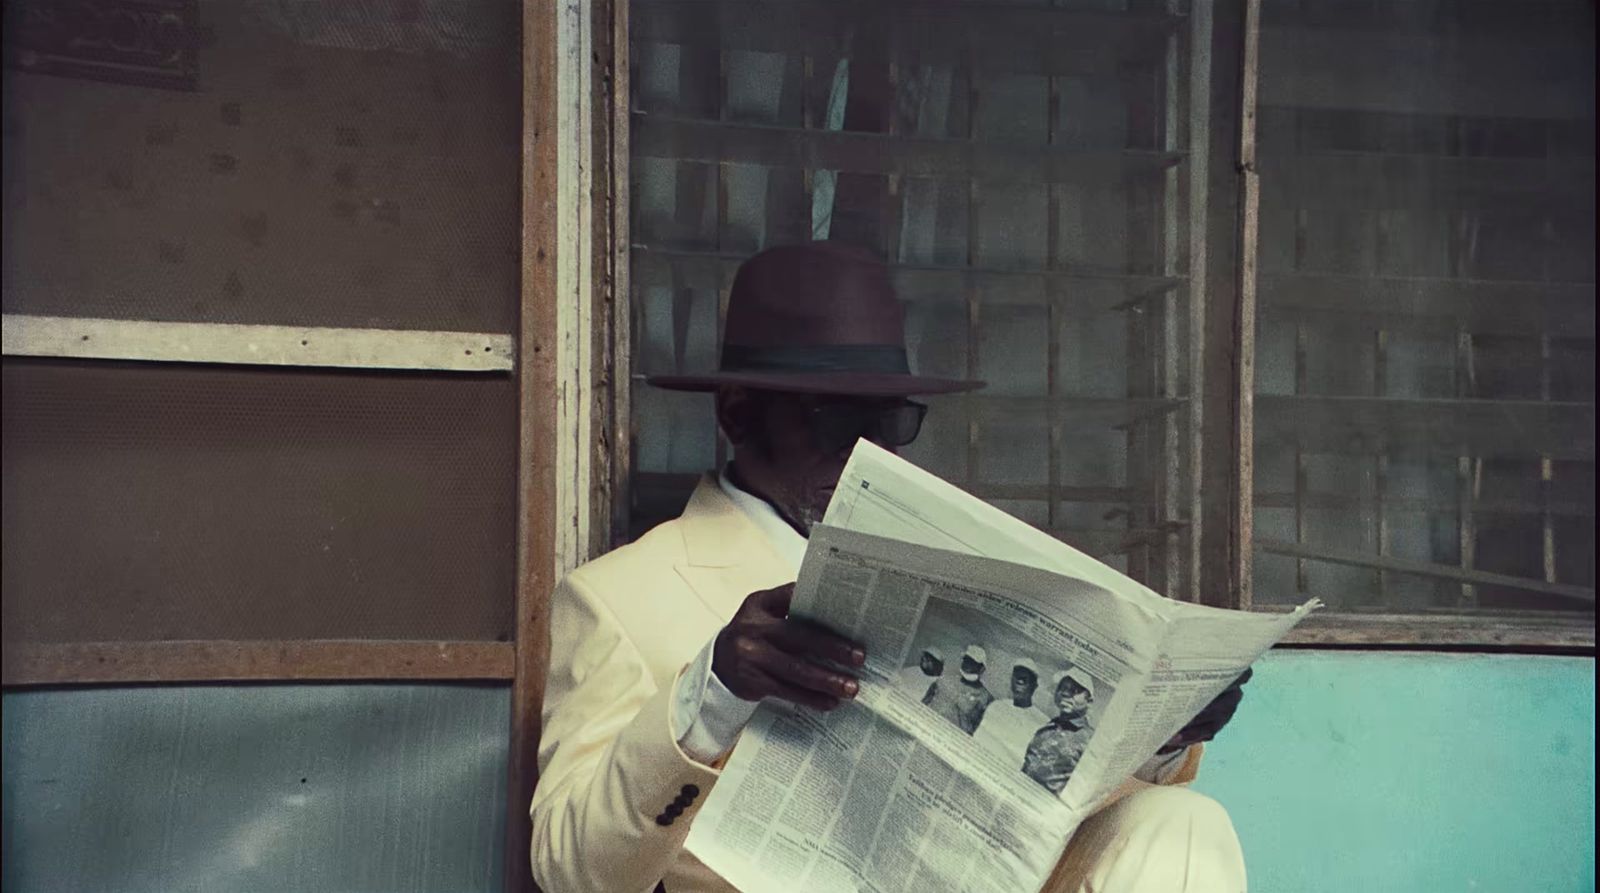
x=1412, y=772
x=397, y=788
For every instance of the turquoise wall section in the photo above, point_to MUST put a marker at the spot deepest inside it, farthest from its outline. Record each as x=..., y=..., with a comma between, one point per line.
x=1379, y=772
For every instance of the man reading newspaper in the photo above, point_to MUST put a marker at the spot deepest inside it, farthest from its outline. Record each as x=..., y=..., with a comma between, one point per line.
x=662, y=650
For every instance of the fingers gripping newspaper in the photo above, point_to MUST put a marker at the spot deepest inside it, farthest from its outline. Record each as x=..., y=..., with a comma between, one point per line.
x=1012, y=684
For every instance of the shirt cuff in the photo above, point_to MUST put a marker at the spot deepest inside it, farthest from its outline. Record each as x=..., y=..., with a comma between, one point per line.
x=706, y=717
x=1161, y=767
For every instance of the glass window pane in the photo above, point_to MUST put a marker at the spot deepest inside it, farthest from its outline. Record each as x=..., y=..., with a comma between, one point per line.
x=1425, y=358
x=1023, y=170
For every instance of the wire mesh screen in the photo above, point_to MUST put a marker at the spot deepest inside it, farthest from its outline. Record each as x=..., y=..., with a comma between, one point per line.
x=1426, y=355
x=311, y=164
x=1022, y=168
x=151, y=502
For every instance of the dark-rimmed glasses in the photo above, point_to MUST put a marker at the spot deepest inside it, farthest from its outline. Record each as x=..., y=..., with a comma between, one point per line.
x=838, y=424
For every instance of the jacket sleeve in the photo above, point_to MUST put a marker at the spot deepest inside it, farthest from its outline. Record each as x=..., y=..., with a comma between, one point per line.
x=616, y=794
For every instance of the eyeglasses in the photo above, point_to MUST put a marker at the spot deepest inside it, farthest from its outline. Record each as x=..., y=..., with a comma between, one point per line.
x=837, y=425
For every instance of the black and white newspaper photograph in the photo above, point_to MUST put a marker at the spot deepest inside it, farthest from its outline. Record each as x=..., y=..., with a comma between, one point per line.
x=1033, y=709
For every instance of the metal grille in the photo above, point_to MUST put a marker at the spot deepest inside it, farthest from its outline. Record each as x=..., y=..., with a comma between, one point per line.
x=151, y=502
x=345, y=165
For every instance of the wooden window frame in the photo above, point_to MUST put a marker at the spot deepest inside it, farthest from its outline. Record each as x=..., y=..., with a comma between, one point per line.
x=1225, y=232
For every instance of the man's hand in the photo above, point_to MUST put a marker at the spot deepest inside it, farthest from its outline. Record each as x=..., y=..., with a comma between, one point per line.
x=763, y=653
x=1210, y=721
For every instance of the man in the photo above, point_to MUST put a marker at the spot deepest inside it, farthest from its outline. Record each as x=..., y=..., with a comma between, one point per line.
x=964, y=701
x=1008, y=726
x=915, y=681
x=660, y=650
x=1054, y=752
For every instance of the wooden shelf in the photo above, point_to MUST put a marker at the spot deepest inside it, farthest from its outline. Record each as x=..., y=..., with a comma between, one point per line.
x=996, y=37
x=1077, y=291
x=693, y=139
x=1434, y=306
x=1372, y=425
x=1436, y=182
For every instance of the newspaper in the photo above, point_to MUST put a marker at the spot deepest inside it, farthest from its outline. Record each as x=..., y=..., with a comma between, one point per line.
x=946, y=772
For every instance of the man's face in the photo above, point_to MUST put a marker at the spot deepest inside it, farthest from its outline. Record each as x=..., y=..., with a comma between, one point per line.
x=1023, y=685
x=1071, y=697
x=792, y=448
x=931, y=665
x=971, y=667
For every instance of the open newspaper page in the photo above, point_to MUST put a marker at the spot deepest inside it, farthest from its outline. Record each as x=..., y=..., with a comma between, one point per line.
x=949, y=771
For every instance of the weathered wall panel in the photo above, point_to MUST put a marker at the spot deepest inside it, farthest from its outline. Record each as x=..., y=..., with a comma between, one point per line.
x=256, y=788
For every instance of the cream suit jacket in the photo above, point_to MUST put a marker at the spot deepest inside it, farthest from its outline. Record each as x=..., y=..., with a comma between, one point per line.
x=622, y=628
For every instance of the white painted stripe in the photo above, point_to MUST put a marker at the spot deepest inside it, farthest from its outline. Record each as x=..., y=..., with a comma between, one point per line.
x=575, y=542
x=196, y=342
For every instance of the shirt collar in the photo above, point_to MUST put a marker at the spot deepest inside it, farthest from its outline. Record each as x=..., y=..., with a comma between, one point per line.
x=784, y=539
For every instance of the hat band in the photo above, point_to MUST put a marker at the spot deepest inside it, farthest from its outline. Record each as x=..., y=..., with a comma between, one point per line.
x=880, y=358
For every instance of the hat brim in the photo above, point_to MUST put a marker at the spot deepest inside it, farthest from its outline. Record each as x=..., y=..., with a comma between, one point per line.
x=850, y=384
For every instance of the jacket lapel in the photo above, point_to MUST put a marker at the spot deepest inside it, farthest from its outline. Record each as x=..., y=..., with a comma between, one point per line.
x=727, y=556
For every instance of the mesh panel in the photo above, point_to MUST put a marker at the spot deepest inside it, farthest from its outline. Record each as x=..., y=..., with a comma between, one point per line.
x=148, y=502
x=338, y=165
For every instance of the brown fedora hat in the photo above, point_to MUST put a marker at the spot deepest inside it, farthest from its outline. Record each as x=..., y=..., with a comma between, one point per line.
x=819, y=318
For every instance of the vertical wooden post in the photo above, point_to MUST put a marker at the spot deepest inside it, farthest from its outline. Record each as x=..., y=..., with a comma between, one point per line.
x=1142, y=255
x=1301, y=476
x=1380, y=461
x=613, y=186
x=1222, y=527
x=1468, y=474
x=1053, y=314
x=969, y=401
x=536, y=380
x=1199, y=145
x=1176, y=575
x=1244, y=380
x=565, y=351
